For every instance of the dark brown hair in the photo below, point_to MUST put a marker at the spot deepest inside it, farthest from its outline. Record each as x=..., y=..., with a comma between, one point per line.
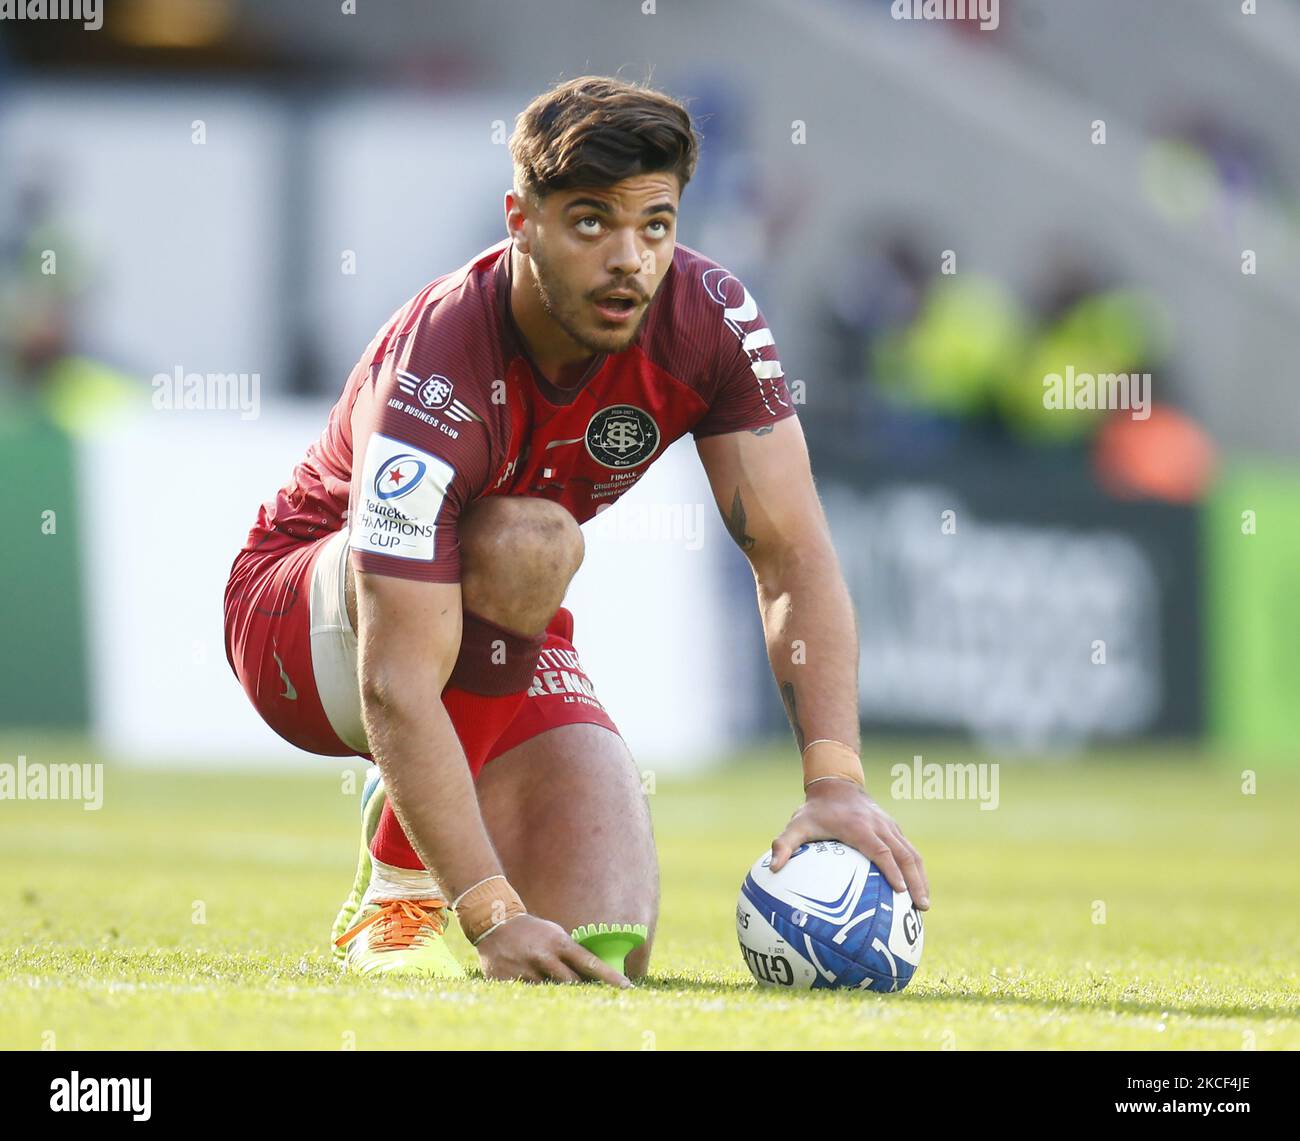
x=596, y=131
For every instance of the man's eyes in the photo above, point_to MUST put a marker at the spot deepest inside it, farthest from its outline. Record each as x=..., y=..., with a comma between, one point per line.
x=658, y=226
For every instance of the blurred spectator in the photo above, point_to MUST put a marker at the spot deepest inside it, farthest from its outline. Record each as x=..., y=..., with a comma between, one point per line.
x=870, y=298
x=920, y=353
x=960, y=348
x=931, y=362
x=1086, y=323
x=1203, y=170
x=1167, y=456
x=40, y=373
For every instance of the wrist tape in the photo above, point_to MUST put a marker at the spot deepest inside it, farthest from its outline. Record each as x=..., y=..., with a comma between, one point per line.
x=824, y=758
x=482, y=908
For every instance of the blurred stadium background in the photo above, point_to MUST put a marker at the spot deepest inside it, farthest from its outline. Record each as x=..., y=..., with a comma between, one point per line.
x=249, y=188
x=931, y=222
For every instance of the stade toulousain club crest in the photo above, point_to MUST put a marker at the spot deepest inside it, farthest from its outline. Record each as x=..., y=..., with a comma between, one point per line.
x=435, y=393
x=622, y=436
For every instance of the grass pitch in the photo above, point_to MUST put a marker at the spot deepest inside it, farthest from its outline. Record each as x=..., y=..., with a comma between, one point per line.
x=193, y=911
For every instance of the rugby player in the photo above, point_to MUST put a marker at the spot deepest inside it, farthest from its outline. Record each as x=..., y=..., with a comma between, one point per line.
x=400, y=597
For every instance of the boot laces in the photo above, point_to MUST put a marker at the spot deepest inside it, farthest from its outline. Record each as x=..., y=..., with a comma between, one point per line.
x=400, y=923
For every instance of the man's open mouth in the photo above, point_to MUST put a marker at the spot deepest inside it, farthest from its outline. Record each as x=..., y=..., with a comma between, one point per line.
x=619, y=308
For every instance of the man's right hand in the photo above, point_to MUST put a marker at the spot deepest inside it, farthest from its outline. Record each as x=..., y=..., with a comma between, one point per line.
x=536, y=950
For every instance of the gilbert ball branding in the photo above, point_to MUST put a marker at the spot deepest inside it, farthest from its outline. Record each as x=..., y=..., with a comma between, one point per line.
x=402, y=490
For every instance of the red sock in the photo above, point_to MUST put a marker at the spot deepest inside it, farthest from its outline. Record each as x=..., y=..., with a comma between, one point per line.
x=389, y=844
x=487, y=686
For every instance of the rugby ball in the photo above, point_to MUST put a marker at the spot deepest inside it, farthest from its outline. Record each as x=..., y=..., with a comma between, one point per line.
x=828, y=920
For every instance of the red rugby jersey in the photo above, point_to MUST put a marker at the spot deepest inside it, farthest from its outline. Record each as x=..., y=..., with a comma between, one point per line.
x=447, y=406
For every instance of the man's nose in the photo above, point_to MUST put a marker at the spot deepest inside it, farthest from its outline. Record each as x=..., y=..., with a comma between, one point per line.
x=625, y=256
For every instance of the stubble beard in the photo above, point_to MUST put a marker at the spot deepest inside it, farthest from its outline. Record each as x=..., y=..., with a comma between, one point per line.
x=567, y=309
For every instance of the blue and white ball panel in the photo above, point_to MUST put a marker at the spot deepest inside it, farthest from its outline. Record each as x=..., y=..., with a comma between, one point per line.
x=767, y=954
x=827, y=920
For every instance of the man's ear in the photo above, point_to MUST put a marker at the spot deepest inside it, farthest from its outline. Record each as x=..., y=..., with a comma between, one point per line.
x=515, y=219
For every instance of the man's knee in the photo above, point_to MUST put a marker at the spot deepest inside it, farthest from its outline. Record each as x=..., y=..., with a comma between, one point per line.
x=518, y=555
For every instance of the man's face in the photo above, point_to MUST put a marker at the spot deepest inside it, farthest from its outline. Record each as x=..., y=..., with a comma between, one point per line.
x=598, y=256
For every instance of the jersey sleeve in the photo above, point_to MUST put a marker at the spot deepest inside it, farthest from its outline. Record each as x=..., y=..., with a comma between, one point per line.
x=430, y=454
x=749, y=389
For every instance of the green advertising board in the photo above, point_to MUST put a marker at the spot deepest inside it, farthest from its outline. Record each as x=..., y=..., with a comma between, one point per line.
x=1252, y=559
x=43, y=681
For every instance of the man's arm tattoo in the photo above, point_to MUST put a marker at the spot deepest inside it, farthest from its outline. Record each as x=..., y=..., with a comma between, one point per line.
x=792, y=711
x=736, y=524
